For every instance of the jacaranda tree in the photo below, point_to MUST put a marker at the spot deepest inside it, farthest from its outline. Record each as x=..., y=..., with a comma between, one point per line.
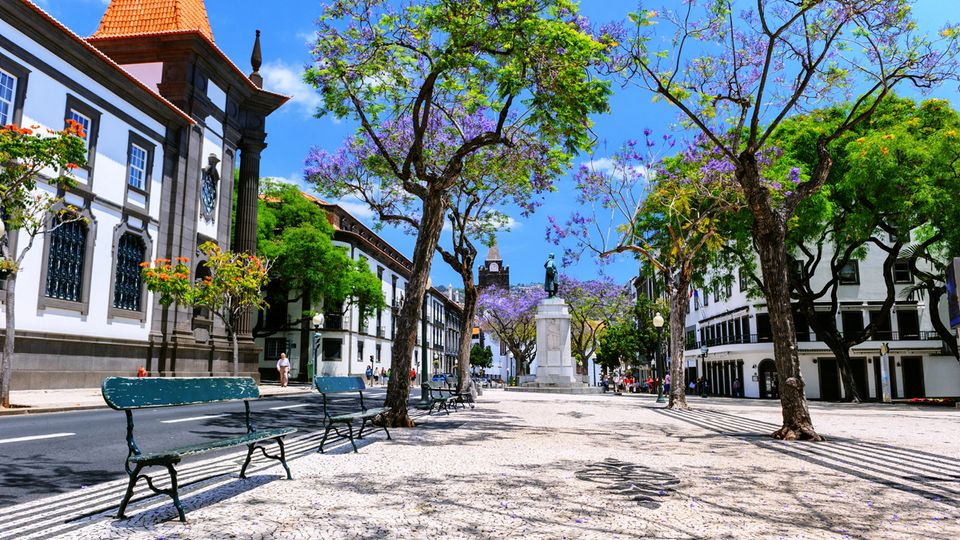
x=511, y=314
x=417, y=75
x=736, y=69
x=595, y=305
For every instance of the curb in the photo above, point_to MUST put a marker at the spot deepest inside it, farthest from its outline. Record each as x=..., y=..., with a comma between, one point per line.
x=20, y=410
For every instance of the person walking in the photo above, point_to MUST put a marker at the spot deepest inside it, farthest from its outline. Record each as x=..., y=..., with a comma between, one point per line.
x=666, y=384
x=369, y=375
x=283, y=366
x=736, y=387
x=692, y=387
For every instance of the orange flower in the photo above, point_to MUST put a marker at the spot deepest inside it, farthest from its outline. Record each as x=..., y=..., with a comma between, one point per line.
x=182, y=259
x=144, y=264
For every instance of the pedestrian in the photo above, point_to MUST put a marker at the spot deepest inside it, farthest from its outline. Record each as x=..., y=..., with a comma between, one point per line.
x=705, y=389
x=383, y=376
x=692, y=387
x=388, y=373
x=736, y=387
x=666, y=384
x=369, y=375
x=413, y=375
x=283, y=366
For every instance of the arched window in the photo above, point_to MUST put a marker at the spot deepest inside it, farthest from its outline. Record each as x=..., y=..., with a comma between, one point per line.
x=68, y=247
x=128, y=285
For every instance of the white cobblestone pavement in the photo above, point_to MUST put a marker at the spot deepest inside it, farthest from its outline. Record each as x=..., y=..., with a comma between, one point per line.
x=557, y=466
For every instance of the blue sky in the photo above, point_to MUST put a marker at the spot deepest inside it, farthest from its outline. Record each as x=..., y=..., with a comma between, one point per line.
x=288, y=24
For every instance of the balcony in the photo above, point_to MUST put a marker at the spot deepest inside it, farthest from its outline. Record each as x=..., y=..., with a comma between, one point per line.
x=381, y=331
x=333, y=322
x=363, y=328
x=807, y=337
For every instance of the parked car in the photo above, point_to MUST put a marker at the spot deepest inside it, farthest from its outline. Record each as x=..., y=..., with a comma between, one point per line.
x=440, y=377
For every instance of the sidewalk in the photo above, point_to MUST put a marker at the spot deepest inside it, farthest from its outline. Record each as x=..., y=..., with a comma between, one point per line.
x=556, y=466
x=45, y=401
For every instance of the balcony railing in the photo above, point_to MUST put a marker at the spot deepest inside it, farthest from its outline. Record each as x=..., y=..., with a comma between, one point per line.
x=381, y=331
x=362, y=328
x=808, y=337
x=333, y=322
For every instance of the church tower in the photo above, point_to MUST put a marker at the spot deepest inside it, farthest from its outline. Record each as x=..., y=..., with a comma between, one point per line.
x=492, y=272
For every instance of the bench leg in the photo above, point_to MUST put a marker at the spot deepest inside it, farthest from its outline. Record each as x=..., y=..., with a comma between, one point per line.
x=350, y=431
x=363, y=424
x=387, y=432
x=283, y=457
x=325, y=433
x=175, y=492
x=243, y=470
x=134, y=476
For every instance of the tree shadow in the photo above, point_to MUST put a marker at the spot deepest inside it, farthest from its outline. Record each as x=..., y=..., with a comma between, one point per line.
x=917, y=472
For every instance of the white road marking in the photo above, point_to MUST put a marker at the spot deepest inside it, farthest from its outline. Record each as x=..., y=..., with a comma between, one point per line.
x=289, y=407
x=191, y=419
x=37, y=437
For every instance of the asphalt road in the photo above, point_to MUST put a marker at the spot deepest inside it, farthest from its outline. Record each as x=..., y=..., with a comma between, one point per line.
x=48, y=454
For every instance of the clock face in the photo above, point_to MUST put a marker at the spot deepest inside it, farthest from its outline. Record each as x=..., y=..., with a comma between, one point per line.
x=494, y=267
x=208, y=193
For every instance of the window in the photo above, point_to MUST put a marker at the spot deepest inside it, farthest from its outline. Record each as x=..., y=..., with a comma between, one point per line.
x=8, y=92
x=706, y=296
x=272, y=348
x=88, y=119
x=68, y=246
x=743, y=279
x=379, y=350
x=728, y=286
x=127, y=284
x=137, y=170
x=850, y=274
x=852, y=322
x=901, y=272
x=84, y=122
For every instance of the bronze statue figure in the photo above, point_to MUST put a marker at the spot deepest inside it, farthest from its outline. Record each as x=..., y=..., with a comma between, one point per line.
x=550, y=282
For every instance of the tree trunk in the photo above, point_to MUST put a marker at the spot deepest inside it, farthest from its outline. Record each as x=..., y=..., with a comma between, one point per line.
x=769, y=239
x=679, y=302
x=236, y=349
x=6, y=371
x=841, y=351
x=470, y=295
x=398, y=387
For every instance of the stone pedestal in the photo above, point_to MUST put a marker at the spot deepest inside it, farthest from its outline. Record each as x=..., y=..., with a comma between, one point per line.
x=556, y=368
x=554, y=362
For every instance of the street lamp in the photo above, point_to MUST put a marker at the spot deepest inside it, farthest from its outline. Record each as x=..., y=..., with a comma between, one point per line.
x=703, y=362
x=317, y=325
x=658, y=324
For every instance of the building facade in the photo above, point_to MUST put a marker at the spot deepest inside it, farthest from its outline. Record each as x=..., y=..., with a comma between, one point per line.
x=348, y=343
x=728, y=338
x=167, y=119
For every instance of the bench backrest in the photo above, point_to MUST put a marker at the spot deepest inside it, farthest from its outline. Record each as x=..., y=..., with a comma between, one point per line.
x=333, y=385
x=124, y=393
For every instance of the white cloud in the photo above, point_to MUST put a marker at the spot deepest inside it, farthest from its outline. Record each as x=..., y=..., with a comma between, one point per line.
x=610, y=166
x=288, y=80
x=357, y=209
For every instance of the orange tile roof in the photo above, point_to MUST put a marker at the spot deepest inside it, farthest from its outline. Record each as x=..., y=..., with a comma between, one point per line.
x=128, y=17
x=106, y=59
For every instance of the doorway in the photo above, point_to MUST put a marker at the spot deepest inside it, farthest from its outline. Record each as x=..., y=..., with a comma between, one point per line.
x=767, y=375
x=858, y=367
x=829, y=379
x=912, y=367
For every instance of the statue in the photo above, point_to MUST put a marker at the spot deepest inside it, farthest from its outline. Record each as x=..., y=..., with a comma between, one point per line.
x=550, y=282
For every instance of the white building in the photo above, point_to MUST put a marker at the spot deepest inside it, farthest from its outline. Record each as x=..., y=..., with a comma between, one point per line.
x=728, y=337
x=167, y=119
x=350, y=343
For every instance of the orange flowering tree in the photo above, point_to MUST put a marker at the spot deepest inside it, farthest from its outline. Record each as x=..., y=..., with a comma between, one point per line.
x=26, y=156
x=233, y=287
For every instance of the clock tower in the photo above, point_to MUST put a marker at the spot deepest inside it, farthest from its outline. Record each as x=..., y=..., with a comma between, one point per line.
x=492, y=273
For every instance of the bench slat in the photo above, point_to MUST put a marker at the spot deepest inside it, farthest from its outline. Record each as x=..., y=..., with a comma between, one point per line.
x=123, y=393
x=369, y=413
x=166, y=456
x=333, y=385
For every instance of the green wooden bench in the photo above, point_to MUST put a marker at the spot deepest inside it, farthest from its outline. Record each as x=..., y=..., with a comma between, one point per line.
x=128, y=393
x=340, y=385
x=434, y=394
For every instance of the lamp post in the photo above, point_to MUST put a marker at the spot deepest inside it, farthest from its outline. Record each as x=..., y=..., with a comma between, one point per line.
x=703, y=362
x=511, y=367
x=658, y=324
x=317, y=325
